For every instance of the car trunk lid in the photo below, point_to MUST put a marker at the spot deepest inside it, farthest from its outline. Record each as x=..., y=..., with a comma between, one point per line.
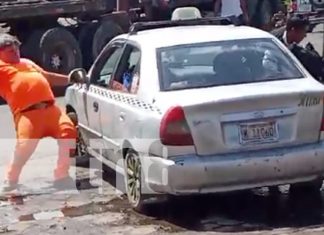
x=253, y=116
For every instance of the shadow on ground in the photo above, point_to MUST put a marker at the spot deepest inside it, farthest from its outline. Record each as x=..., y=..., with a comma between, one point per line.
x=232, y=212
x=241, y=212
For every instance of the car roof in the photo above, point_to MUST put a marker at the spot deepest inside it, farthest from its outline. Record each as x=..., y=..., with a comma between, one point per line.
x=171, y=36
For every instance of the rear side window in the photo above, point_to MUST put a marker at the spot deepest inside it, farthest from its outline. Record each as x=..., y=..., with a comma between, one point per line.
x=224, y=63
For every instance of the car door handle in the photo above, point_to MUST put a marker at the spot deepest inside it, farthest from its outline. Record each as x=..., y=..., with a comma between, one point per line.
x=122, y=116
x=95, y=106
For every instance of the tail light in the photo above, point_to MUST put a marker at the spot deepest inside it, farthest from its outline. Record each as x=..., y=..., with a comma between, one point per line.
x=174, y=129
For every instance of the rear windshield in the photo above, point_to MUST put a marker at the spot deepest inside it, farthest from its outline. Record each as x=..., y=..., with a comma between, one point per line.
x=223, y=63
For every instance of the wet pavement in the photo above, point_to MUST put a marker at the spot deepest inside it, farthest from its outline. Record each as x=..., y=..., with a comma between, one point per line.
x=102, y=209
x=86, y=212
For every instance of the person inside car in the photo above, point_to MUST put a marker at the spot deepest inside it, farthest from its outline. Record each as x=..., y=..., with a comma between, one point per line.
x=126, y=82
x=270, y=64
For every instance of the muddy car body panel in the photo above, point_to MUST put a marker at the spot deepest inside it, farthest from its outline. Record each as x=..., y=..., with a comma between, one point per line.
x=192, y=174
x=211, y=113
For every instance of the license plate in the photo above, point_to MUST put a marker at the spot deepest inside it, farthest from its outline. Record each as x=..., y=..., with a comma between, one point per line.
x=258, y=133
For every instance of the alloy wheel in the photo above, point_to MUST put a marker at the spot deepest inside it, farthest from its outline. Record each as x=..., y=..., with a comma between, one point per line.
x=133, y=178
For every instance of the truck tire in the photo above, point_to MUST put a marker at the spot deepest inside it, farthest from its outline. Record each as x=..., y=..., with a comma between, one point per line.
x=86, y=36
x=54, y=49
x=317, y=4
x=30, y=48
x=106, y=31
x=59, y=43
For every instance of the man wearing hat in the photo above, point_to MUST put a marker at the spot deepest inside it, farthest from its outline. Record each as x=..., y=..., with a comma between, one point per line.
x=27, y=90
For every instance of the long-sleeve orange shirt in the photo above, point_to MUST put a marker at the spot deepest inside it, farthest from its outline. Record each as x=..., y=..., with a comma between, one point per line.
x=23, y=85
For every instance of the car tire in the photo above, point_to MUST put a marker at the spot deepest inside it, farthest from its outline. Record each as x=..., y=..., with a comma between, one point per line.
x=134, y=181
x=82, y=156
x=308, y=187
x=54, y=49
x=317, y=4
x=105, y=32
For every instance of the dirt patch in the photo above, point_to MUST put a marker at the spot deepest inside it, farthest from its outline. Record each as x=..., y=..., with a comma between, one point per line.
x=133, y=218
x=118, y=205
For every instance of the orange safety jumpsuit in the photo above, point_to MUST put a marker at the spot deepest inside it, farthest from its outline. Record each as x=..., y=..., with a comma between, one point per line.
x=22, y=85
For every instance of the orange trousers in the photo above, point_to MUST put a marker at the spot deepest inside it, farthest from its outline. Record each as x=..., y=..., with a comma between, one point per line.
x=34, y=125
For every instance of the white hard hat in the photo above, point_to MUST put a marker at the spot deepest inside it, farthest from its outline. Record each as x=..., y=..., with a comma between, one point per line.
x=186, y=13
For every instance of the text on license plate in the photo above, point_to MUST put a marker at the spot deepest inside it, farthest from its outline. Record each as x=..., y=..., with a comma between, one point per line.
x=258, y=132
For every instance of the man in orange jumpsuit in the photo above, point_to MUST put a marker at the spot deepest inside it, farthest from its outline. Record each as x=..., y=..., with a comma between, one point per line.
x=27, y=89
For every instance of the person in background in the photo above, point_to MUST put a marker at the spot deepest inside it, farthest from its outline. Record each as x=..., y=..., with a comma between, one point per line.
x=237, y=8
x=278, y=20
x=156, y=9
x=292, y=34
x=26, y=88
x=294, y=31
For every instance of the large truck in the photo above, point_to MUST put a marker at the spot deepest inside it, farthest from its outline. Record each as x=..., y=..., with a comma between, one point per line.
x=63, y=34
x=60, y=35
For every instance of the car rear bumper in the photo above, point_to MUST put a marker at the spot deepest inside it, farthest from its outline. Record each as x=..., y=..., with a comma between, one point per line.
x=222, y=173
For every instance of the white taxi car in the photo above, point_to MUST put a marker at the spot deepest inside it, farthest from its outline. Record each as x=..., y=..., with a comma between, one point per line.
x=191, y=108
